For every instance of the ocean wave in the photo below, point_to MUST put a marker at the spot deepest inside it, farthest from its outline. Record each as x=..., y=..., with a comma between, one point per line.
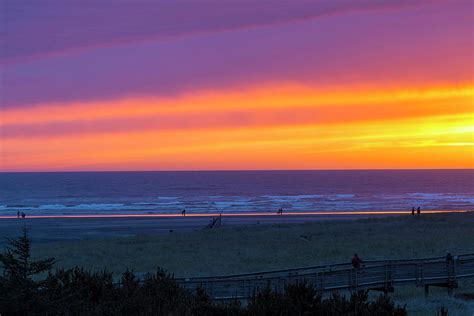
x=97, y=206
x=283, y=198
x=246, y=203
x=429, y=196
x=345, y=196
x=292, y=197
x=230, y=204
x=449, y=197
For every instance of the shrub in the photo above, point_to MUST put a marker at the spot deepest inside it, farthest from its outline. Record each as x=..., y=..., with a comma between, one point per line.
x=18, y=291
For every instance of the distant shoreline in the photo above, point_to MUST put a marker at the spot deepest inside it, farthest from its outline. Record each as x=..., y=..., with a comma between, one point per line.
x=239, y=214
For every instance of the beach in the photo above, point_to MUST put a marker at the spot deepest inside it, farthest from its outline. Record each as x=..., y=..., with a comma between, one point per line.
x=48, y=228
x=243, y=244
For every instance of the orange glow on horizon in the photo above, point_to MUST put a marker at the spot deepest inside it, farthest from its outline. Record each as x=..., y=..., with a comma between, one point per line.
x=276, y=96
x=269, y=127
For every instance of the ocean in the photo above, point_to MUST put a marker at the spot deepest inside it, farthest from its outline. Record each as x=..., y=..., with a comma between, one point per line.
x=71, y=193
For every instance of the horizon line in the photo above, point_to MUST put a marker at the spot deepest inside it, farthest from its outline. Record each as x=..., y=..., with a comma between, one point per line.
x=240, y=170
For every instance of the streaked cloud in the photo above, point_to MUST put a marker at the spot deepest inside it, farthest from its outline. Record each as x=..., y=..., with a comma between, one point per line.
x=49, y=27
x=414, y=45
x=259, y=107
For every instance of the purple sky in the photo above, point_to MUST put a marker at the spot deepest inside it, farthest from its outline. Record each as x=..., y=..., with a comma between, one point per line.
x=60, y=51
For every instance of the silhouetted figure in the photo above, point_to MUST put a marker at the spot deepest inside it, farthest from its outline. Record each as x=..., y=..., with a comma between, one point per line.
x=183, y=212
x=18, y=214
x=413, y=211
x=23, y=215
x=450, y=266
x=418, y=211
x=356, y=261
x=449, y=258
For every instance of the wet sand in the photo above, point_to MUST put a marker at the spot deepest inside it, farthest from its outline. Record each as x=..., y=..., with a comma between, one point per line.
x=57, y=229
x=82, y=227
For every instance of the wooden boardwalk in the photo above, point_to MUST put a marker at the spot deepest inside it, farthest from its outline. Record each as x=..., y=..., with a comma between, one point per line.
x=375, y=275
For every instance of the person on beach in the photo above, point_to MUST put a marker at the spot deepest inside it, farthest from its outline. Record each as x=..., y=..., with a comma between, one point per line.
x=23, y=215
x=18, y=214
x=356, y=261
x=413, y=211
x=418, y=211
x=183, y=212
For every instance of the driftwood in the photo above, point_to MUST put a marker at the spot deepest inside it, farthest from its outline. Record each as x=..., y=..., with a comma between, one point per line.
x=216, y=222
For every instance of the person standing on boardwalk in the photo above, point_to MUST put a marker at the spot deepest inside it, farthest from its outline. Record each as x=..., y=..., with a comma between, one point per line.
x=450, y=266
x=356, y=261
x=449, y=258
x=413, y=211
x=418, y=211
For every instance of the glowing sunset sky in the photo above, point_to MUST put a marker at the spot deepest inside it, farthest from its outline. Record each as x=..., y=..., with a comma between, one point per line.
x=248, y=84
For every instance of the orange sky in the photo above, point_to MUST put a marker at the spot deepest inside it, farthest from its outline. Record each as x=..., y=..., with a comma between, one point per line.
x=278, y=126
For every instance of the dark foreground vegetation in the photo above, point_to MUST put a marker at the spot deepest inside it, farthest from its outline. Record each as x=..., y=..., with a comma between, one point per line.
x=32, y=288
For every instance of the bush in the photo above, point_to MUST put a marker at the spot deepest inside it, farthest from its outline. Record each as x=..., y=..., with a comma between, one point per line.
x=18, y=291
x=302, y=300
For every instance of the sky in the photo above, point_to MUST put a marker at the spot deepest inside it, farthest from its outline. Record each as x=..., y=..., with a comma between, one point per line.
x=247, y=84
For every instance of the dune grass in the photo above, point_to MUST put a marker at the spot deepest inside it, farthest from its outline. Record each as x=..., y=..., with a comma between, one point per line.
x=238, y=249
x=251, y=248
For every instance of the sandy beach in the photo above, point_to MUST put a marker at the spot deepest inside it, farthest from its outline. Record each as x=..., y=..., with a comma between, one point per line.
x=80, y=227
x=251, y=244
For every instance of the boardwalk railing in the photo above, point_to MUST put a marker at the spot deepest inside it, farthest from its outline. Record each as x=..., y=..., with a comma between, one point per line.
x=375, y=275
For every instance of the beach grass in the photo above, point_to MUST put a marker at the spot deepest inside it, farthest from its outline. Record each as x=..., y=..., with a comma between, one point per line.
x=260, y=247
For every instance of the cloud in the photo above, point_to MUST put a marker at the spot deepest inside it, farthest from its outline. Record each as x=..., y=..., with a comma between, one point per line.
x=421, y=45
x=261, y=108
x=51, y=27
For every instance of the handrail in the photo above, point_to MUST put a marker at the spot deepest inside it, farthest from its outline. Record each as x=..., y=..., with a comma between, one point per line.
x=376, y=275
x=434, y=272
x=320, y=267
